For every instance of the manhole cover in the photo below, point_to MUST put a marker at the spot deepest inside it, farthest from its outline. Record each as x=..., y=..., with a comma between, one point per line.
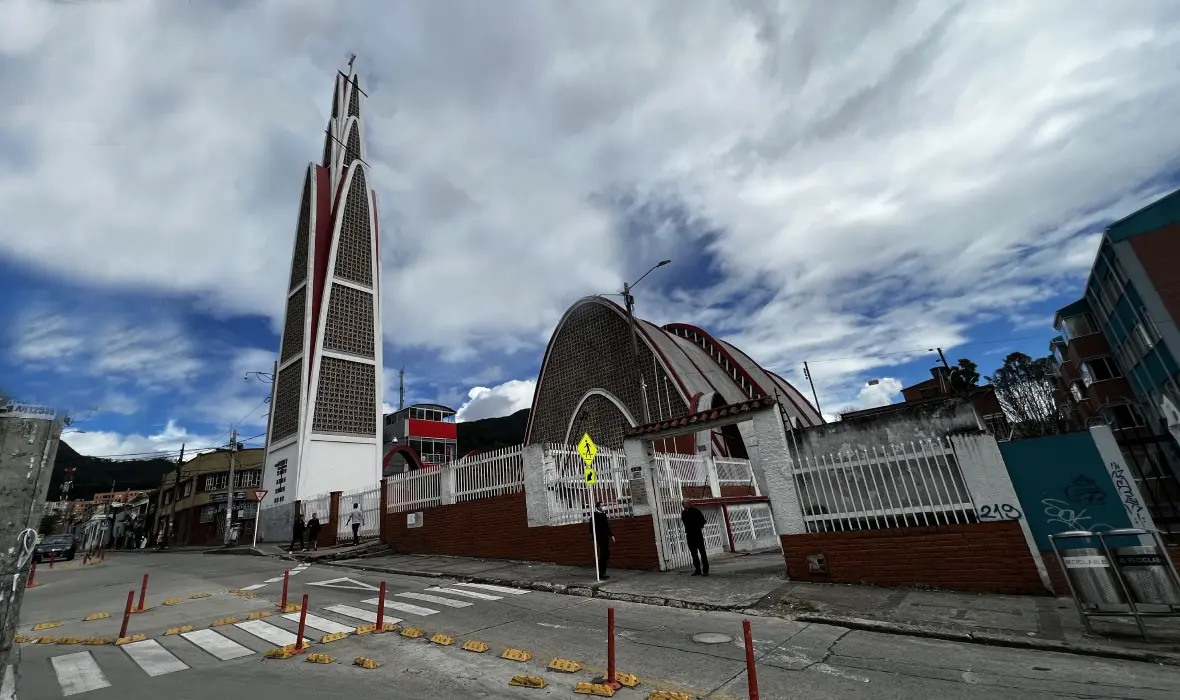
x=712, y=638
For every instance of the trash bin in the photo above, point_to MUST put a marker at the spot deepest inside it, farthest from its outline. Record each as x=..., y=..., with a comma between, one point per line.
x=1145, y=570
x=1092, y=577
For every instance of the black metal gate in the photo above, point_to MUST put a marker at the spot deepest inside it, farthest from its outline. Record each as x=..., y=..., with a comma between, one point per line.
x=1153, y=460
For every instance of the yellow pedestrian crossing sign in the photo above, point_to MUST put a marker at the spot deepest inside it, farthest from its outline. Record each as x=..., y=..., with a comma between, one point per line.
x=587, y=449
x=590, y=476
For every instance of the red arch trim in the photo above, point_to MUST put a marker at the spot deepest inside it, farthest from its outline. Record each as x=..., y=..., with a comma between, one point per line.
x=685, y=330
x=411, y=454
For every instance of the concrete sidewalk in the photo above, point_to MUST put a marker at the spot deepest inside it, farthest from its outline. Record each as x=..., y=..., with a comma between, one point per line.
x=756, y=585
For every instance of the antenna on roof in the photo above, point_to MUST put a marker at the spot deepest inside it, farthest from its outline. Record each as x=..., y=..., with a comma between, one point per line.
x=401, y=390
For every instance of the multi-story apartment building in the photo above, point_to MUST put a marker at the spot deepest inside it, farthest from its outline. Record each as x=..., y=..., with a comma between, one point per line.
x=418, y=436
x=198, y=517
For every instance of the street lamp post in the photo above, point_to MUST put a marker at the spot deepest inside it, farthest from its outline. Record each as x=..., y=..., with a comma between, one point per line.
x=629, y=302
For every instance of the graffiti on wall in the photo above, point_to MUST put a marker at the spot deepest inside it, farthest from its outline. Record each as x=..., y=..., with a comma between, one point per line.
x=998, y=511
x=1124, y=486
x=1058, y=511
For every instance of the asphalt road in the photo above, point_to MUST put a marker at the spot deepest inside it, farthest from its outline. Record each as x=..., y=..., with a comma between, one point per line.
x=697, y=653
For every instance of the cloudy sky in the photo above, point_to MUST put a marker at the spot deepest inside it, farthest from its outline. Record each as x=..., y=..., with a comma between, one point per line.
x=848, y=183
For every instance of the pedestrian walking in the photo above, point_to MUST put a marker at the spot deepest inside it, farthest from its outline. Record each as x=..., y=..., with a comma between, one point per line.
x=297, y=532
x=356, y=518
x=313, y=532
x=603, y=539
x=694, y=532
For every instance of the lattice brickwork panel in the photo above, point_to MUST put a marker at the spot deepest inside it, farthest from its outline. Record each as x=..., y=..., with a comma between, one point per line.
x=354, y=100
x=287, y=402
x=302, y=237
x=593, y=351
x=350, y=322
x=354, y=253
x=346, y=401
x=602, y=420
x=353, y=150
x=293, y=325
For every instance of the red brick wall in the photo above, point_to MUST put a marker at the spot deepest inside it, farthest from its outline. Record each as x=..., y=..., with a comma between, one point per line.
x=1160, y=256
x=497, y=528
x=992, y=557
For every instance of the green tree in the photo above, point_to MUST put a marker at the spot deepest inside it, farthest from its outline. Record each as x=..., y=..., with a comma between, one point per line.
x=48, y=524
x=1024, y=387
x=968, y=371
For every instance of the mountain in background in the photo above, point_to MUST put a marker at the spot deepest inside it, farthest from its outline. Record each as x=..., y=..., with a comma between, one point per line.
x=95, y=475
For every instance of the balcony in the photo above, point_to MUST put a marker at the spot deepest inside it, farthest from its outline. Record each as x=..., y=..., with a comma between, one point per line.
x=1116, y=390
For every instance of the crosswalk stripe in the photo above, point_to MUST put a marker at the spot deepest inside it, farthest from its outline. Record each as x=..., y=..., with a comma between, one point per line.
x=268, y=632
x=254, y=587
x=276, y=579
x=216, y=644
x=154, y=659
x=360, y=614
x=468, y=594
x=78, y=673
x=320, y=623
x=8, y=688
x=490, y=587
x=402, y=607
x=449, y=602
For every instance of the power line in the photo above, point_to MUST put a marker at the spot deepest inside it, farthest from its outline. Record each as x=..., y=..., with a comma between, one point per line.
x=926, y=349
x=160, y=454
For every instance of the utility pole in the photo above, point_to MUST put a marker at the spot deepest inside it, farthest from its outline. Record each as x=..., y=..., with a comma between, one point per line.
x=807, y=373
x=29, y=437
x=229, y=503
x=629, y=302
x=401, y=390
x=170, y=528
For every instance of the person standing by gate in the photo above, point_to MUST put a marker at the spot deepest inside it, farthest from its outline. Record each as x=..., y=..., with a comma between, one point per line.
x=313, y=532
x=604, y=537
x=297, y=532
x=356, y=518
x=694, y=532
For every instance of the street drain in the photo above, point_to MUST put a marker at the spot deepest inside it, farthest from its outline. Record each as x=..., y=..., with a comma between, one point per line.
x=712, y=638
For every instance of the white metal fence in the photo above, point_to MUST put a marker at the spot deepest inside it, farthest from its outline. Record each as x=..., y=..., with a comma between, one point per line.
x=704, y=470
x=732, y=471
x=319, y=505
x=414, y=490
x=897, y=485
x=369, y=500
x=488, y=474
x=752, y=526
x=567, y=494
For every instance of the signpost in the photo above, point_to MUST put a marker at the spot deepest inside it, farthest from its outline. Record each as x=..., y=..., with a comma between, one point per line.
x=588, y=451
x=258, y=495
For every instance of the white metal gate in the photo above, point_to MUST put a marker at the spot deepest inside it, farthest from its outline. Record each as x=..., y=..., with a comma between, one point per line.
x=667, y=503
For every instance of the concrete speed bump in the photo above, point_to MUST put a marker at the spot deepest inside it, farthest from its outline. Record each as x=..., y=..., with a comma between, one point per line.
x=441, y=639
x=565, y=666
x=365, y=662
x=96, y=616
x=258, y=615
x=528, y=681
x=516, y=655
x=128, y=640
x=412, y=632
x=96, y=641
x=198, y=596
x=600, y=689
x=628, y=679
x=179, y=630
x=46, y=626
x=333, y=637
x=319, y=659
x=477, y=647
x=668, y=695
x=365, y=629
x=221, y=621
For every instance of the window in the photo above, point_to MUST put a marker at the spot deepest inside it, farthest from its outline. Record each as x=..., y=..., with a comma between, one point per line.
x=207, y=513
x=1144, y=335
x=1058, y=355
x=1076, y=326
x=1099, y=369
x=1075, y=390
x=216, y=482
x=1122, y=416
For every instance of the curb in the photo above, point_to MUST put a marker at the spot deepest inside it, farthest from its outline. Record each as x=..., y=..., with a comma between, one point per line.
x=239, y=551
x=991, y=639
x=584, y=591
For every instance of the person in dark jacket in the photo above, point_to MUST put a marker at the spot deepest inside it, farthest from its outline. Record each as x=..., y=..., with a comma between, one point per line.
x=297, y=532
x=313, y=532
x=694, y=532
x=604, y=538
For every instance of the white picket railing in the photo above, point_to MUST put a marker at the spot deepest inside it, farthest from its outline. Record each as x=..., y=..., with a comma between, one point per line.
x=488, y=474
x=369, y=500
x=415, y=490
x=319, y=505
x=707, y=471
x=753, y=527
x=689, y=470
x=732, y=471
x=567, y=494
x=897, y=485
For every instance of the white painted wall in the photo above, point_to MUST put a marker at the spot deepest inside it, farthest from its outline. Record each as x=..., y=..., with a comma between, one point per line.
x=330, y=465
x=289, y=452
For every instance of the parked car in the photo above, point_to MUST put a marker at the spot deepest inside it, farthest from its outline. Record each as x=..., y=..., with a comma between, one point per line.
x=62, y=547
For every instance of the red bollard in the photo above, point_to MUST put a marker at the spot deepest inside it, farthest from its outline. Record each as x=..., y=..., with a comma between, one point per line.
x=32, y=573
x=302, y=625
x=751, y=670
x=127, y=614
x=142, y=592
x=283, y=603
x=52, y=556
x=610, y=650
x=381, y=609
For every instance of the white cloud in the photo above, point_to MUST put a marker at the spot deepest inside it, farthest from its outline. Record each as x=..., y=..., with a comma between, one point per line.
x=501, y=400
x=101, y=443
x=887, y=390
x=880, y=175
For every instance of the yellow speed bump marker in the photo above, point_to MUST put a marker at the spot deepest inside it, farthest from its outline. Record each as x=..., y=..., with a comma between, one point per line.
x=516, y=655
x=412, y=632
x=388, y=627
x=668, y=695
x=128, y=640
x=628, y=679
x=292, y=607
x=223, y=621
x=70, y=640
x=96, y=641
x=528, y=681
x=173, y=601
x=477, y=647
x=179, y=630
x=280, y=653
x=197, y=596
x=365, y=629
x=319, y=659
x=20, y=639
x=45, y=626
x=441, y=639
x=47, y=640
x=601, y=689
x=333, y=637
x=96, y=616
x=565, y=666
x=258, y=615
x=365, y=662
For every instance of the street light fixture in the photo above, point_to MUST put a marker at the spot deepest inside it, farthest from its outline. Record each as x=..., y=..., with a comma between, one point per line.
x=264, y=377
x=629, y=301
